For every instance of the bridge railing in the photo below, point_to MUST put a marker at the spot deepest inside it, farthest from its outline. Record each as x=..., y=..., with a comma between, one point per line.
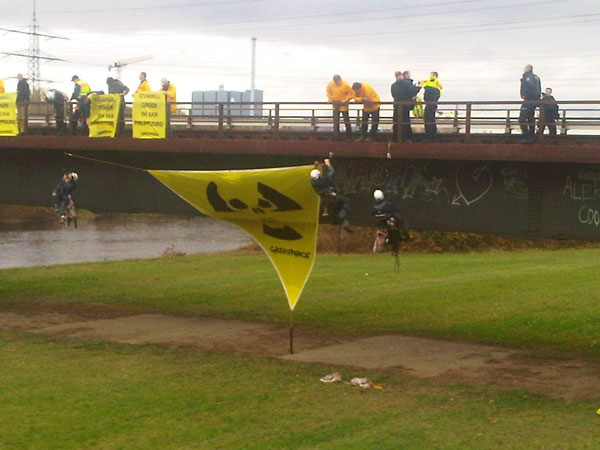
x=452, y=117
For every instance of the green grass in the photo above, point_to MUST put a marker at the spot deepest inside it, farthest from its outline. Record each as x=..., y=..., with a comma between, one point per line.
x=57, y=394
x=532, y=299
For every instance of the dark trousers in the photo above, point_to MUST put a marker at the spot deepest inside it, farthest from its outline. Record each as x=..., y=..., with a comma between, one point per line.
x=405, y=129
x=121, y=121
x=551, y=124
x=336, y=122
x=62, y=201
x=430, y=125
x=374, y=115
x=527, y=121
x=59, y=117
x=82, y=112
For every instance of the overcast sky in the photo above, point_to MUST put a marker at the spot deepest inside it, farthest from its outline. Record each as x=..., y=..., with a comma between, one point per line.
x=479, y=47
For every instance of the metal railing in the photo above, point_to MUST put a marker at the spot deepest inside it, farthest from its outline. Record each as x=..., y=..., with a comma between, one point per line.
x=275, y=118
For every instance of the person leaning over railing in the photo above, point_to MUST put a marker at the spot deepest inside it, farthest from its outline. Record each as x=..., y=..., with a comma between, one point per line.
x=23, y=99
x=117, y=87
x=365, y=94
x=58, y=100
x=170, y=93
x=339, y=93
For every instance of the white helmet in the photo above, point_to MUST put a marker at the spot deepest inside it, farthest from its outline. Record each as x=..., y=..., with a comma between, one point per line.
x=50, y=95
x=163, y=80
x=378, y=195
x=75, y=176
x=315, y=174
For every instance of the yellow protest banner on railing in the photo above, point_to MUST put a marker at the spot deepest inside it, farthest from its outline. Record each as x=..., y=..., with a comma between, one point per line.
x=8, y=114
x=149, y=115
x=278, y=207
x=104, y=115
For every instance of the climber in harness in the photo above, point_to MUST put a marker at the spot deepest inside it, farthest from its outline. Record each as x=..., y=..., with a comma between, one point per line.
x=62, y=198
x=392, y=229
x=322, y=180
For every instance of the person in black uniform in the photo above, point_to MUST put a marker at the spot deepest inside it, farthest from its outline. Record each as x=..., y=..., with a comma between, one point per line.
x=117, y=87
x=530, y=93
x=550, y=112
x=23, y=99
x=58, y=100
x=321, y=178
x=394, y=88
x=404, y=90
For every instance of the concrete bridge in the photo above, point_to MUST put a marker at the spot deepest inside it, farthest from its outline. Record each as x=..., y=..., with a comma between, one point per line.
x=476, y=181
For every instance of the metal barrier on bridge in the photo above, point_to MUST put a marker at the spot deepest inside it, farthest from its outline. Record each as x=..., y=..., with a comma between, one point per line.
x=278, y=118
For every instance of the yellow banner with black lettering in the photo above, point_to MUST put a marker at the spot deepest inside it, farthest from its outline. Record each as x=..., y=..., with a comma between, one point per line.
x=8, y=114
x=104, y=115
x=149, y=115
x=278, y=207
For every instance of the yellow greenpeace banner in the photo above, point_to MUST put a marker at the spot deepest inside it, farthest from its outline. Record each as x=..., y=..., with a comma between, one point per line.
x=8, y=114
x=149, y=115
x=278, y=207
x=104, y=115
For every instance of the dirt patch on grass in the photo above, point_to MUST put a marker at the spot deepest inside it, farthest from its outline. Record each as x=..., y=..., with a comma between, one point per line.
x=444, y=361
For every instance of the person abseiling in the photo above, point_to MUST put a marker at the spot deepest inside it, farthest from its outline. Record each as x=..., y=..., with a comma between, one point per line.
x=339, y=94
x=365, y=94
x=405, y=92
x=81, y=91
x=549, y=112
x=58, y=100
x=392, y=229
x=62, y=193
x=432, y=92
x=530, y=93
x=144, y=86
x=322, y=180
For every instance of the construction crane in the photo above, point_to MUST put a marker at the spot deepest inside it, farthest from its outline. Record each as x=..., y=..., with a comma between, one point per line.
x=118, y=65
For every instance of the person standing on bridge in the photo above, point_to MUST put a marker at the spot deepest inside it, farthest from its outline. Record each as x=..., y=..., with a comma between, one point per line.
x=365, y=94
x=433, y=91
x=170, y=93
x=1, y=86
x=339, y=94
x=81, y=90
x=117, y=87
x=23, y=99
x=549, y=111
x=530, y=93
x=144, y=86
x=394, y=89
x=405, y=92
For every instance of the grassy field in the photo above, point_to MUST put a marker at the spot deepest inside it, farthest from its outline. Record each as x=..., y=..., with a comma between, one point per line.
x=75, y=394
x=531, y=299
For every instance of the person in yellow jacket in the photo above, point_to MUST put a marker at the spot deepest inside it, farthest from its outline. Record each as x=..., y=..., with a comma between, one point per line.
x=432, y=92
x=339, y=93
x=144, y=86
x=81, y=91
x=170, y=93
x=365, y=94
x=1, y=86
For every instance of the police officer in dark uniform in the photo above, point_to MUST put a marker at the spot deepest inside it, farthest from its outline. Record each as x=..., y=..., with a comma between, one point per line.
x=550, y=112
x=530, y=93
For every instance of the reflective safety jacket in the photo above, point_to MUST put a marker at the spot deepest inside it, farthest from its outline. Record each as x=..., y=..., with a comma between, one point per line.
x=433, y=89
x=341, y=93
x=82, y=89
x=144, y=86
x=1, y=86
x=171, y=94
x=368, y=96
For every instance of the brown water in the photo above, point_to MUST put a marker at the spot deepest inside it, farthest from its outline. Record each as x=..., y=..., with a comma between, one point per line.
x=122, y=237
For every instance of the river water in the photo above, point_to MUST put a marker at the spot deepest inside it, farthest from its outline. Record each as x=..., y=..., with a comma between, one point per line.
x=121, y=237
